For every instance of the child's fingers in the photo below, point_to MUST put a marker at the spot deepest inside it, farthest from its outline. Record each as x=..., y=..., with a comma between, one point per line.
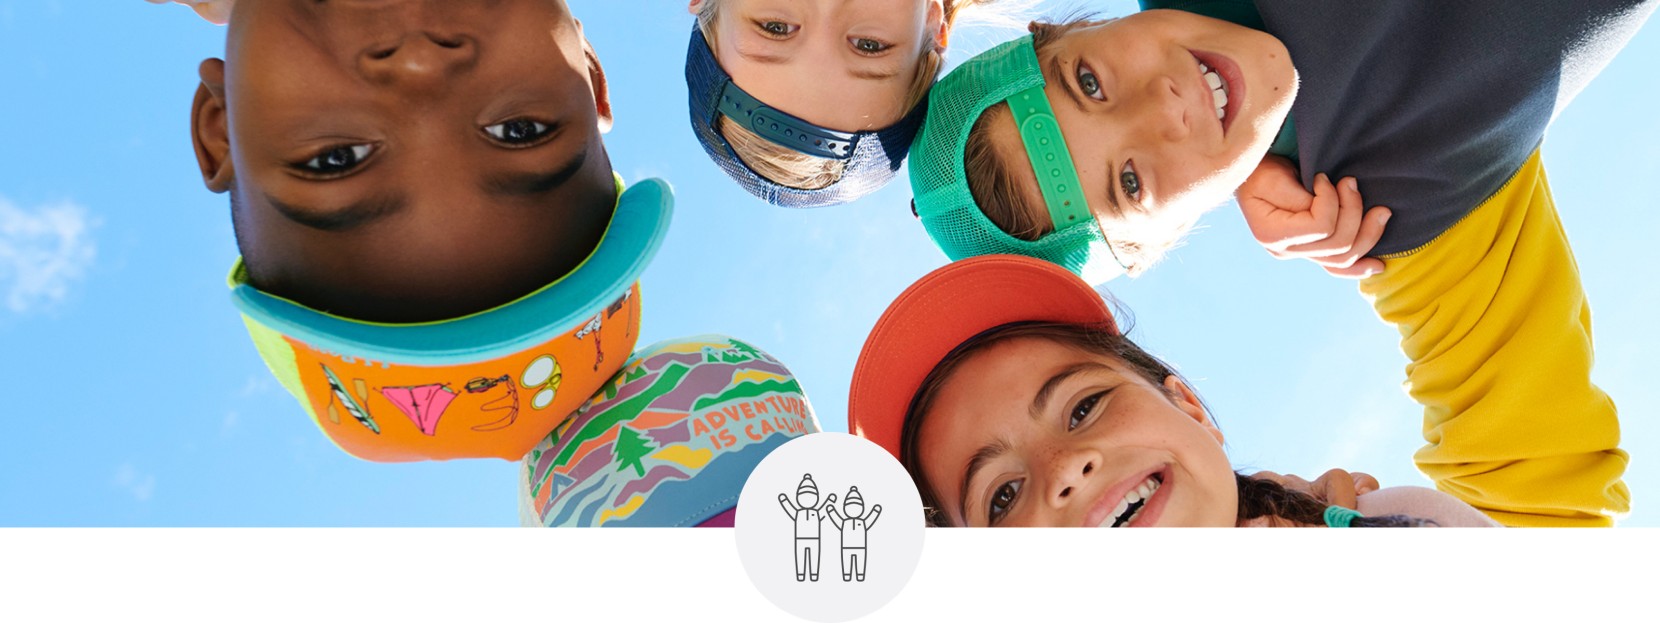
x=1282, y=231
x=1275, y=182
x=1325, y=216
x=1365, y=483
x=1350, y=213
x=1336, y=487
x=1371, y=230
x=1365, y=267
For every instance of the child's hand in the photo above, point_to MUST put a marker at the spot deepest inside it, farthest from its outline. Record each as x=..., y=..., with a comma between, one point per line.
x=1336, y=487
x=216, y=11
x=1331, y=227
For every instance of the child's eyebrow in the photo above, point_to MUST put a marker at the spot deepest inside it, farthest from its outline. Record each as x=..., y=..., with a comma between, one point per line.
x=1057, y=76
x=1041, y=400
x=341, y=219
x=982, y=456
x=877, y=75
x=530, y=184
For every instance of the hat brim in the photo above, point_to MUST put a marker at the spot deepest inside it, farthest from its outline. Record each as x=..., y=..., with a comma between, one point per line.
x=941, y=311
x=873, y=159
x=636, y=231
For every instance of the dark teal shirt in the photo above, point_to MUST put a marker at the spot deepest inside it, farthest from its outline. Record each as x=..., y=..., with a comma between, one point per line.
x=1432, y=104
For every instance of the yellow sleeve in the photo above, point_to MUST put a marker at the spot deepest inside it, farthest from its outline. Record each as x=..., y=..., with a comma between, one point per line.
x=1494, y=319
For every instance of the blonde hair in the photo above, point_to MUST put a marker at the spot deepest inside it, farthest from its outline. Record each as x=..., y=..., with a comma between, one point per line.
x=797, y=170
x=1001, y=194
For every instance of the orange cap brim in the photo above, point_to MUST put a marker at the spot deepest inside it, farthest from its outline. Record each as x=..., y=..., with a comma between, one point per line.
x=941, y=311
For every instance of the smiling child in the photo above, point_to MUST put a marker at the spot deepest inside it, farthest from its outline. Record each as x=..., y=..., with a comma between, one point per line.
x=1097, y=144
x=437, y=259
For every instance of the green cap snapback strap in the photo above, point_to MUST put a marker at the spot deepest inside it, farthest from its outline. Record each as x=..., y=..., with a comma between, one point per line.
x=1046, y=148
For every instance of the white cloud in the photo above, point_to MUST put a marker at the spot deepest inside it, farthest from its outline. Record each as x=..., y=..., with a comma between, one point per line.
x=42, y=251
x=139, y=485
x=228, y=423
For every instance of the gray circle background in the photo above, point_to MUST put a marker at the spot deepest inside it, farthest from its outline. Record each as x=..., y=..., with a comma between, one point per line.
x=766, y=533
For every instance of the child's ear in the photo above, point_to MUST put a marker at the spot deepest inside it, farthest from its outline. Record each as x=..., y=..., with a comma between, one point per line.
x=1189, y=403
x=940, y=25
x=695, y=6
x=596, y=77
x=208, y=129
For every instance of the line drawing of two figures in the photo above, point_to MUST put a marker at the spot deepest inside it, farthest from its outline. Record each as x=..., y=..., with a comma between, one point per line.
x=808, y=513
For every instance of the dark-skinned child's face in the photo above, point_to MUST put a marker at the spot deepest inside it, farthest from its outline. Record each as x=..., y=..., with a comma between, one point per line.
x=406, y=161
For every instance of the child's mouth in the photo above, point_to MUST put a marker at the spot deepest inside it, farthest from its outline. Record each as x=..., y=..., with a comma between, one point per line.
x=1221, y=77
x=1129, y=507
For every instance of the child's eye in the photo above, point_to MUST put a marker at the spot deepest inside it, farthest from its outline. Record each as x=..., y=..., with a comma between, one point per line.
x=1001, y=500
x=776, y=29
x=1089, y=84
x=338, y=160
x=517, y=132
x=1131, y=182
x=870, y=47
x=1081, y=411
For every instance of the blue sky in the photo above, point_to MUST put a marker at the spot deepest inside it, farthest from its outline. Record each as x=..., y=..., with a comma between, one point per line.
x=137, y=399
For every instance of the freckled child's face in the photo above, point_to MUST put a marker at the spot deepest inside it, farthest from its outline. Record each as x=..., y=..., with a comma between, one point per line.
x=1030, y=432
x=407, y=161
x=1165, y=112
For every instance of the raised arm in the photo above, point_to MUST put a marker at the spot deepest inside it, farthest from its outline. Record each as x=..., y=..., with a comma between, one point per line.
x=835, y=517
x=789, y=507
x=1494, y=320
x=870, y=521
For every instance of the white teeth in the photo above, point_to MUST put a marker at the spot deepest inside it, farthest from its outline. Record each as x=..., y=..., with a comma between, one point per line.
x=1218, y=89
x=1142, y=492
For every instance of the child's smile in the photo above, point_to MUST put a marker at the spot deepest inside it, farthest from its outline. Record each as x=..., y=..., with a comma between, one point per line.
x=1029, y=432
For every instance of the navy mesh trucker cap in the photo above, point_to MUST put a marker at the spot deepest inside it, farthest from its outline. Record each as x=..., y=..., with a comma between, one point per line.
x=871, y=158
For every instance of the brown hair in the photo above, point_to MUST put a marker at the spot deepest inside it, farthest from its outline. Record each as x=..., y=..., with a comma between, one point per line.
x=1000, y=192
x=797, y=170
x=1257, y=498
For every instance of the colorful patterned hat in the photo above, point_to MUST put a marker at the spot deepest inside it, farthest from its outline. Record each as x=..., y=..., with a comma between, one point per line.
x=669, y=441
x=490, y=384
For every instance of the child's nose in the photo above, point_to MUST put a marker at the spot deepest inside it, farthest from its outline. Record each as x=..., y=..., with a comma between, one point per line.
x=1072, y=469
x=1164, y=112
x=418, y=61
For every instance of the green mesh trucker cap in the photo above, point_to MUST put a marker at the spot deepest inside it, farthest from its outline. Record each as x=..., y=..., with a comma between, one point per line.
x=1007, y=73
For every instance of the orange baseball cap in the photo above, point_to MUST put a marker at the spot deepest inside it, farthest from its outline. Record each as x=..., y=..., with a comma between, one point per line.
x=941, y=311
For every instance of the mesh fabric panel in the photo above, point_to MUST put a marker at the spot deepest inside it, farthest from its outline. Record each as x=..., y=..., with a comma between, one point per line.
x=873, y=161
x=943, y=201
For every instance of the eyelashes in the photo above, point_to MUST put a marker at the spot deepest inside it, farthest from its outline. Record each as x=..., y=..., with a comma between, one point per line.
x=781, y=30
x=337, y=160
x=519, y=132
x=1001, y=500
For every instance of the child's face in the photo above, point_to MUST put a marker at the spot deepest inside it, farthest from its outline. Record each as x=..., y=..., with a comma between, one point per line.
x=813, y=58
x=1029, y=432
x=1140, y=116
x=407, y=161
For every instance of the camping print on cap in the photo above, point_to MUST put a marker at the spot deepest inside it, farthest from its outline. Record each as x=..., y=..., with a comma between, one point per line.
x=497, y=408
x=669, y=441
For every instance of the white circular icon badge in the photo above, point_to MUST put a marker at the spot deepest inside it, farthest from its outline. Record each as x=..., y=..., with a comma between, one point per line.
x=829, y=527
